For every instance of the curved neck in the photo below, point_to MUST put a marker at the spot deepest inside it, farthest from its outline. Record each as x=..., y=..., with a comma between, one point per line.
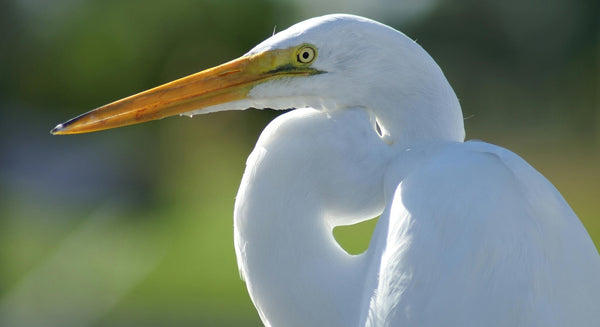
x=297, y=275
x=309, y=172
x=421, y=120
x=416, y=110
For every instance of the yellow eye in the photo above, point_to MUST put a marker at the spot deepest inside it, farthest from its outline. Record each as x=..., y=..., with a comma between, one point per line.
x=306, y=54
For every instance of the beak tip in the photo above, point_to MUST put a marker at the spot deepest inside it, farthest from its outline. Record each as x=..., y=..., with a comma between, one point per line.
x=57, y=130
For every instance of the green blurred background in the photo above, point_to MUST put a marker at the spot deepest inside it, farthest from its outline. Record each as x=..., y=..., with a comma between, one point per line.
x=133, y=227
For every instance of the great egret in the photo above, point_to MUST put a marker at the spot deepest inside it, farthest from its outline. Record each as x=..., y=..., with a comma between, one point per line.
x=469, y=233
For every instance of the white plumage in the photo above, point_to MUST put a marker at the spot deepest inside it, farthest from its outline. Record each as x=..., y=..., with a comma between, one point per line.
x=469, y=233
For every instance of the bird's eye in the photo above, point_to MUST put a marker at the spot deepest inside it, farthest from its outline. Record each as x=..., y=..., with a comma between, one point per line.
x=306, y=54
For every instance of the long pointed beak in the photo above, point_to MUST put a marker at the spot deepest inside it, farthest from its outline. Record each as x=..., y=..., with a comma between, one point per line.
x=225, y=83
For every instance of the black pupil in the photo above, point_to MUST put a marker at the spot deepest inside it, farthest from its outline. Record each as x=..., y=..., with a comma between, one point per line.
x=305, y=55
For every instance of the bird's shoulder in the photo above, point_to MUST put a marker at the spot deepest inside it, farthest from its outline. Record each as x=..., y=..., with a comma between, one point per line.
x=476, y=179
x=475, y=232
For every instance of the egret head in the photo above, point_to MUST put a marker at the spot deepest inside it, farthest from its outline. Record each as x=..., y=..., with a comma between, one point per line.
x=327, y=63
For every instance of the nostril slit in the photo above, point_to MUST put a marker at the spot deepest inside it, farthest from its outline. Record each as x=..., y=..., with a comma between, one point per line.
x=378, y=129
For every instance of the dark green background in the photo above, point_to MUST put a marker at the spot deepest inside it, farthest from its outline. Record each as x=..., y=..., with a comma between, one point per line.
x=133, y=227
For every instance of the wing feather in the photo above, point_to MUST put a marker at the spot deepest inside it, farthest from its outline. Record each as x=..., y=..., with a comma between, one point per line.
x=477, y=237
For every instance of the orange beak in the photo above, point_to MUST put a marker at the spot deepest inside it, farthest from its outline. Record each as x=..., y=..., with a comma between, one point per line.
x=225, y=83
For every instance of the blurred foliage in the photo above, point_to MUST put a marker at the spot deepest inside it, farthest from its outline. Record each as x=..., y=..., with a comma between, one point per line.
x=133, y=227
x=69, y=54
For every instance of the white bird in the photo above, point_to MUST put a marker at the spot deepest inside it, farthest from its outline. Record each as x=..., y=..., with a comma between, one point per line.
x=469, y=233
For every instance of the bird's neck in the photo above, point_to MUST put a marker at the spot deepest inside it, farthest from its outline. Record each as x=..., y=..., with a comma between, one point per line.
x=421, y=122
x=425, y=110
x=309, y=172
x=295, y=272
